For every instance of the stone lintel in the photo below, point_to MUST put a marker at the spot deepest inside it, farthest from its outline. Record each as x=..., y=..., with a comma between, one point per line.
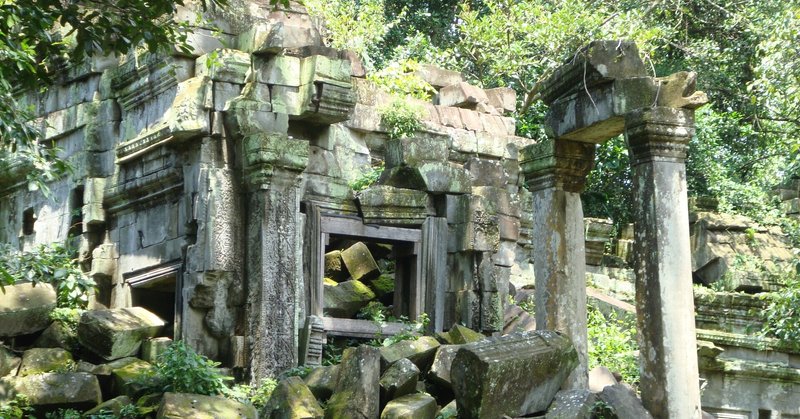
x=560, y=164
x=597, y=113
x=659, y=133
x=269, y=153
x=598, y=62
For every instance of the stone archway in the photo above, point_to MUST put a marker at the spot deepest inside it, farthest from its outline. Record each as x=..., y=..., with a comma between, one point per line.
x=603, y=92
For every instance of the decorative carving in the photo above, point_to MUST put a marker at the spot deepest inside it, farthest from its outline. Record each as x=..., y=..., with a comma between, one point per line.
x=659, y=134
x=558, y=164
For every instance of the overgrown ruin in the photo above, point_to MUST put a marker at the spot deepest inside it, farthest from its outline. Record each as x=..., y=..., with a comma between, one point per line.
x=213, y=189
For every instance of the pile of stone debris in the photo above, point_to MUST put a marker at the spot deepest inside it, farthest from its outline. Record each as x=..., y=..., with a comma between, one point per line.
x=459, y=373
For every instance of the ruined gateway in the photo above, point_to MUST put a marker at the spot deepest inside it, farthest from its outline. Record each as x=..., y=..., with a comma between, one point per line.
x=209, y=187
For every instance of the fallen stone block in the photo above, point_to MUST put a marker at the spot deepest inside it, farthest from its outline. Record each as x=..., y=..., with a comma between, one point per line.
x=398, y=380
x=462, y=95
x=50, y=391
x=442, y=364
x=359, y=262
x=152, y=348
x=322, y=381
x=416, y=406
x=292, y=399
x=504, y=98
x=420, y=351
x=438, y=77
x=9, y=362
x=25, y=308
x=357, y=389
x=58, y=335
x=449, y=411
x=131, y=379
x=624, y=402
x=117, y=333
x=195, y=406
x=459, y=335
x=529, y=367
x=41, y=360
x=334, y=267
x=345, y=299
x=572, y=404
x=600, y=378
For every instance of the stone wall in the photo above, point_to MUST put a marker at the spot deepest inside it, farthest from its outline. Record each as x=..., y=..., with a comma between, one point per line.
x=201, y=170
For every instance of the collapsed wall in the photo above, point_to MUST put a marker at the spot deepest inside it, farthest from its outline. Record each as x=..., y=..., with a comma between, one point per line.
x=207, y=186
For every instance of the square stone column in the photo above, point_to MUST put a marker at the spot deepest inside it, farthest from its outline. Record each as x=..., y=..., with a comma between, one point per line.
x=555, y=172
x=658, y=139
x=273, y=166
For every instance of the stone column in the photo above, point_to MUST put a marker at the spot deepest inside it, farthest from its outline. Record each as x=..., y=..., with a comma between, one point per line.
x=273, y=165
x=555, y=172
x=658, y=139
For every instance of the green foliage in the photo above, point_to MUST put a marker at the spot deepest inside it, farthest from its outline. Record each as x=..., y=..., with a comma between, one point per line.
x=51, y=264
x=401, y=119
x=411, y=331
x=602, y=410
x=357, y=25
x=182, y=370
x=258, y=396
x=129, y=411
x=368, y=177
x=63, y=414
x=612, y=343
x=299, y=371
x=379, y=314
x=17, y=408
x=609, y=190
x=400, y=78
x=782, y=314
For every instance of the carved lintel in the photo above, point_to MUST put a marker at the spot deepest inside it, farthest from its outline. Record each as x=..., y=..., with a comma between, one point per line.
x=268, y=154
x=558, y=164
x=659, y=134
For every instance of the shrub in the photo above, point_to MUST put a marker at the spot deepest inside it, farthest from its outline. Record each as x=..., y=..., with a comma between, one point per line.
x=182, y=370
x=367, y=178
x=17, y=408
x=782, y=314
x=612, y=343
x=400, y=78
x=51, y=264
x=258, y=396
x=401, y=119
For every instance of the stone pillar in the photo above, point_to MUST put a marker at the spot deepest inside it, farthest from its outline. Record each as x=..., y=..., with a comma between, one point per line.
x=658, y=139
x=555, y=172
x=273, y=165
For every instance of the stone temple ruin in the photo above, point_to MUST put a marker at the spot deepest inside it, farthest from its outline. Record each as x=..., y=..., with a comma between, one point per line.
x=213, y=189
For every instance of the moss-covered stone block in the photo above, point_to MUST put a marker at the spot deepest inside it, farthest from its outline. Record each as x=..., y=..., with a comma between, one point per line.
x=420, y=351
x=183, y=405
x=322, y=381
x=292, y=399
x=529, y=367
x=41, y=360
x=417, y=406
x=131, y=379
x=357, y=390
x=50, y=391
x=117, y=333
x=25, y=308
x=398, y=380
x=345, y=299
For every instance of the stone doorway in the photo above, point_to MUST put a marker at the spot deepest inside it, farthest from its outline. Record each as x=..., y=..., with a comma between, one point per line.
x=158, y=291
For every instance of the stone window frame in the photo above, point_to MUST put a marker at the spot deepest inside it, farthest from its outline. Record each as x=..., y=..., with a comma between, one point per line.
x=156, y=273
x=321, y=226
